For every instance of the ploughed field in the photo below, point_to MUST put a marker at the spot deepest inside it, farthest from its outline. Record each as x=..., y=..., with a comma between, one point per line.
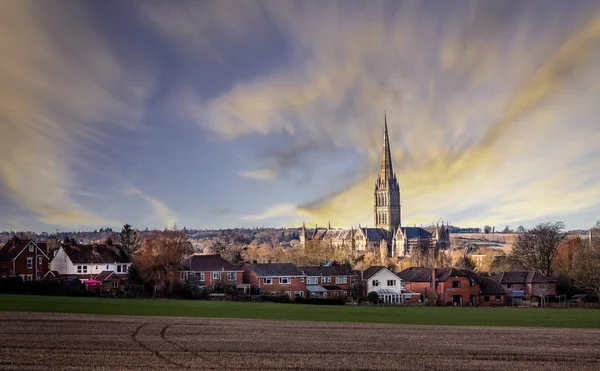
x=98, y=342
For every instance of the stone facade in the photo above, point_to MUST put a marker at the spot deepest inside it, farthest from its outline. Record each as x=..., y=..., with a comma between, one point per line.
x=388, y=237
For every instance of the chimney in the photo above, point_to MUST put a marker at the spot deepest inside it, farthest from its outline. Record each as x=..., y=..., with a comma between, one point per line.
x=433, y=277
x=94, y=249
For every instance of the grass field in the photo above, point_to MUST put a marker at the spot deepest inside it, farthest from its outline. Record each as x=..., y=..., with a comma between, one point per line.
x=522, y=317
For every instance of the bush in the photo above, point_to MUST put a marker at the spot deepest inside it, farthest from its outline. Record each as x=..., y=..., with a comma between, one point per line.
x=373, y=297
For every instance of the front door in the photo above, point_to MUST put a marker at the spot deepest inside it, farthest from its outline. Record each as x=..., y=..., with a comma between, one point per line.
x=457, y=300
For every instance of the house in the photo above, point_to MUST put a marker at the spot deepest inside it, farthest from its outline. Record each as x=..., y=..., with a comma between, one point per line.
x=459, y=287
x=385, y=283
x=526, y=285
x=213, y=269
x=24, y=258
x=275, y=277
x=328, y=281
x=88, y=261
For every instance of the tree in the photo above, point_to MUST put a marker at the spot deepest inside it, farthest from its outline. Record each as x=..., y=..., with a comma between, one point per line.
x=230, y=245
x=506, y=230
x=521, y=229
x=537, y=248
x=465, y=262
x=160, y=257
x=587, y=264
x=373, y=297
x=130, y=239
x=487, y=229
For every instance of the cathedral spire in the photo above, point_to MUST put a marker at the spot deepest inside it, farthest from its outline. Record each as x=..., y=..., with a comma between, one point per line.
x=387, y=172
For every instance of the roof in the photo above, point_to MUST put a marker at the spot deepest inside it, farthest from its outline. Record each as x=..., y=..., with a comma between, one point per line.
x=102, y=254
x=51, y=274
x=371, y=271
x=421, y=274
x=106, y=276
x=10, y=250
x=415, y=232
x=333, y=288
x=374, y=234
x=315, y=288
x=208, y=263
x=275, y=269
x=491, y=287
x=522, y=277
x=326, y=271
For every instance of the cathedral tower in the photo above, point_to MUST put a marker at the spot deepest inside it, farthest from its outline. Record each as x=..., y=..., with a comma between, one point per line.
x=387, y=190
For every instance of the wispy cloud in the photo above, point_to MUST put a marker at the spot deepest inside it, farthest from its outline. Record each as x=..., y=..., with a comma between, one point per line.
x=274, y=212
x=262, y=174
x=58, y=87
x=161, y=211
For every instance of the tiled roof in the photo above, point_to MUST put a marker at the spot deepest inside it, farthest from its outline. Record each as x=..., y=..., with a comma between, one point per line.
x=103, y=254
x=326, y=271
x=11, y=249
x=375, y=234
x=371, y=271
x=332, y=288
x=522, y=277
x=208, y=263
x=491, y=287
x=420, y=274
x=106, y=275
x=275, y=269
x=415, y=232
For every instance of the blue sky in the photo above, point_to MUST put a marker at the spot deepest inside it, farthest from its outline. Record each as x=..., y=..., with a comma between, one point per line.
x=215, y=114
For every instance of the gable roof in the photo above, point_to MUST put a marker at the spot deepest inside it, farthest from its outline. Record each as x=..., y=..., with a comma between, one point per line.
x=107, y=275
x=421, y=274
x=103, y=254
x=522, y=277
x=275, y=269
x=490, y=287
x=207, y=263
x=13, y=248
x=335, y=270
x=371, y=271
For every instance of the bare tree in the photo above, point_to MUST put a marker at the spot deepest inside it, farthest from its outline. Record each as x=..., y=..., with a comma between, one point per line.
x=536, y=248
x=587, y=264
x=465, y=262
x=230, y=245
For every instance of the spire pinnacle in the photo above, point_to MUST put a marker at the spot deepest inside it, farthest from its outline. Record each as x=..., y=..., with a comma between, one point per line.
x=387, y=172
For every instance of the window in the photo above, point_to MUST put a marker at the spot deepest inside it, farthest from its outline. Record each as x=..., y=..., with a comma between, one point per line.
x=29, y=277
x=313, y=280
x=31, y=248
x=82, y=269
x=107, y=267
x=285, y=280
x=39, y=260
x=231, y=276
x=267, y=280
x=289, y=293
x=509, y=285
x=299, y=294
x=200, y=276
x=215, y=275
x=301, y=279
x=497, y=299
x=341, y=279
x=29, y=263
x=118, y=269
x=325, y=279
x=486, y=299
x=456, y=284
x=375, y=283
x=125, y=268
x=391, y=282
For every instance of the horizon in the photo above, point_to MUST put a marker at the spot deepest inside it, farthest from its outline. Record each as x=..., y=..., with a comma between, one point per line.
x=220, y=115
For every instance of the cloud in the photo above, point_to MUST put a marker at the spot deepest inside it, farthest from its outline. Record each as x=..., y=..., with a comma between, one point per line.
x=262, y=174
x=473, y=111
x=161, y=211
x=59, y=90
x=274, y=212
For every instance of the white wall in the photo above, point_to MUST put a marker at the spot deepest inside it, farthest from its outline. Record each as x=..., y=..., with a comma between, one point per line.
x=63, y=265
x=383, y=276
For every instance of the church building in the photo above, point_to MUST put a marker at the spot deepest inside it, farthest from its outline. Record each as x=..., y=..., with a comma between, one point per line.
x=388, y=233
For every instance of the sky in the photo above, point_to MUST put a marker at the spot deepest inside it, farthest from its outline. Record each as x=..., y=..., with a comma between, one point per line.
x=219, y=114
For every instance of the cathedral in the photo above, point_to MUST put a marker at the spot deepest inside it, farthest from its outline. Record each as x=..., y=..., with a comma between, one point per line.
x=388, y=235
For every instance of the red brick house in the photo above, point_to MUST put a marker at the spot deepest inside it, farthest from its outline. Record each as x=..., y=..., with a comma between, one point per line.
x=451, y=286
x=275, y=278
x=23, y=258
x=526, y=285
x=213, y=269
x=328, y=281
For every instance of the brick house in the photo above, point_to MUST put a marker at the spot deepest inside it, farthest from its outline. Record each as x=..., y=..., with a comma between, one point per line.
x=275, y=278
x=24, y=258
x=451, y=286
x=328, y=281
x=213, y=269
x=526, y=285
x=87, y=262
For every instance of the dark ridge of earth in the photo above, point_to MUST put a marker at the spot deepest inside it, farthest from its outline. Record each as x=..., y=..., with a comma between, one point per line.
x=96, y=342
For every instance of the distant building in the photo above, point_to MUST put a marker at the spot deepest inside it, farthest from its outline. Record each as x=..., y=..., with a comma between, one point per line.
x=285, y=278
x=24, y=258
x=387, y=235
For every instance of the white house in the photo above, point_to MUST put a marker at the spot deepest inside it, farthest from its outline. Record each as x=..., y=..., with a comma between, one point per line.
x=88, y=261
x=385, y=283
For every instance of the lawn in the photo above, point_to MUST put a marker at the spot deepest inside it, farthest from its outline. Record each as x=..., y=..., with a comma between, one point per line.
x=524, y=317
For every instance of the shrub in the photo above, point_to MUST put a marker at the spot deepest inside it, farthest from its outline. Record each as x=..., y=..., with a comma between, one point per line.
x=373, y=297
